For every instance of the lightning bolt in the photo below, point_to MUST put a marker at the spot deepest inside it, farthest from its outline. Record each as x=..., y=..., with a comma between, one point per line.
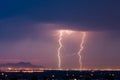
x=81, y=49
x=61, y=33
x=59, y=49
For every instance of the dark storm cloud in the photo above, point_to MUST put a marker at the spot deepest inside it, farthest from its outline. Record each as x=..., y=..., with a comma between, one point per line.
x=71, y=14
x=79, y=14
x=15, y=29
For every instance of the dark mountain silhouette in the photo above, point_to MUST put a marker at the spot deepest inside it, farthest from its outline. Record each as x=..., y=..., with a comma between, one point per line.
x=20, y=65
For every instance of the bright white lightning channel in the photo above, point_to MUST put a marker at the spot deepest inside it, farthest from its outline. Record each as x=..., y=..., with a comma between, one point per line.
x=61, y=33
x=59, y=49
x=81, y=49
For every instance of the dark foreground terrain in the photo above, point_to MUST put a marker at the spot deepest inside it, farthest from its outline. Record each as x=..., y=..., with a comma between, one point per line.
x=61, y=75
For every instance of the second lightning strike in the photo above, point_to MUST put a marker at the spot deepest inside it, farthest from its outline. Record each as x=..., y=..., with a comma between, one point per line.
x=81, y=49
x=59, y=49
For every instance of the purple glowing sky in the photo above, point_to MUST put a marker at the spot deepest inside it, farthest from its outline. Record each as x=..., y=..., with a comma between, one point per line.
x=40, y=47
x=28, y=32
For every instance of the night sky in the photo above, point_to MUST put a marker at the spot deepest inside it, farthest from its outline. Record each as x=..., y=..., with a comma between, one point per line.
x=28, y=32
